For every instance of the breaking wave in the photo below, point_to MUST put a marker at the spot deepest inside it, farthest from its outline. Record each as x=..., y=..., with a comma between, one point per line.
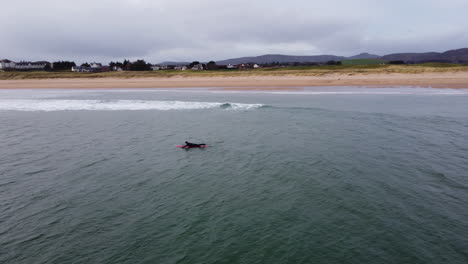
x=113, y=105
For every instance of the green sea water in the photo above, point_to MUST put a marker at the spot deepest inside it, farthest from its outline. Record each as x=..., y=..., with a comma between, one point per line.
x=324, y=175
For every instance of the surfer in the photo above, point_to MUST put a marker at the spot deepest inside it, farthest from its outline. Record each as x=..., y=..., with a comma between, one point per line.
x=192, y=145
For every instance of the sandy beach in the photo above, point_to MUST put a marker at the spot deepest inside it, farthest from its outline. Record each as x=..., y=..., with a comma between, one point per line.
x=285, y=82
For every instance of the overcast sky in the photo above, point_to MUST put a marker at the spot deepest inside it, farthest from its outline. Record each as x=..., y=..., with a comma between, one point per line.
x=187, y=30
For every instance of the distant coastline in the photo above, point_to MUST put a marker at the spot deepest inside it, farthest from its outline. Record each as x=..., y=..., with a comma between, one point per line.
x=394, y=76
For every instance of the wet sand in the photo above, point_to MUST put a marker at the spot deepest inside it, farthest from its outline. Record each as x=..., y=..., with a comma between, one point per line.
x=435, y=80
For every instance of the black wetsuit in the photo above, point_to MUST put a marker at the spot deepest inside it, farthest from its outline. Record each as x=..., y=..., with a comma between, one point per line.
x=192, y=145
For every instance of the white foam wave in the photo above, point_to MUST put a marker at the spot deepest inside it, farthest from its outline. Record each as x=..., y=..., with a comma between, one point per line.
x=104, y=105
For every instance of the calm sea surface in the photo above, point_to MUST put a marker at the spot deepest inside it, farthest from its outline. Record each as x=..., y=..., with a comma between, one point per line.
x=324, y=175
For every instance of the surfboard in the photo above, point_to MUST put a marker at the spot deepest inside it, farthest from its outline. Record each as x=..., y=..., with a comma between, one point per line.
x=180, y=146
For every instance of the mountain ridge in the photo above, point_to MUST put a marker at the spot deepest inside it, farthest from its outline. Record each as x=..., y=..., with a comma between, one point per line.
x=453, y=56
x=450, y=56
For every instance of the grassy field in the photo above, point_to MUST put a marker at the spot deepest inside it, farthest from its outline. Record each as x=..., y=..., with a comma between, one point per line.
x=279, y=71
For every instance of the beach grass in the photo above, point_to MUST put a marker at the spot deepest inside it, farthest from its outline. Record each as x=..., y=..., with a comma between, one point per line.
x=273, y=71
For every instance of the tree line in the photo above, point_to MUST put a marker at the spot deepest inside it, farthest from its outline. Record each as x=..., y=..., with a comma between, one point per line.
x=126, y=65
x=138, y=65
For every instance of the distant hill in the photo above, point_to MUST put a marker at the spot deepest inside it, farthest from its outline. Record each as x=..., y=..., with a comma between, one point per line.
x=174, y=63
x=364, y=56
x=413, y=57
x=271, y=58
x=460, y=55
x=452, y=56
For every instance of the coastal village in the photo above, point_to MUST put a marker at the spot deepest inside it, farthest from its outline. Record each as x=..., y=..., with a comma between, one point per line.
x=447, y=58
x=139, y=65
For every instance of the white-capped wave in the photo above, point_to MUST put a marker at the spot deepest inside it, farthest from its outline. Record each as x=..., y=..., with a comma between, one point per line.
x=107, y=105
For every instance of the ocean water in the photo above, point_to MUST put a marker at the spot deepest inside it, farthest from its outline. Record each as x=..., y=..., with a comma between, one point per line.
x=323, y=175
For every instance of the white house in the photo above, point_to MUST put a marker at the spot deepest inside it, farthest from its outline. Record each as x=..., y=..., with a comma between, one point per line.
x=230, y=66
x=93, y=67
x=40, y=65
x=23, y=65
x=180, y=68
x=27, y=65
x=198, y=67
x=7, y=65
x=255, y=66
x=81, y=69
x=96, y=66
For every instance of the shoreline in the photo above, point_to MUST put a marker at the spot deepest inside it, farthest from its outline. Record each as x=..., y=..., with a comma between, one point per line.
x=453, y=80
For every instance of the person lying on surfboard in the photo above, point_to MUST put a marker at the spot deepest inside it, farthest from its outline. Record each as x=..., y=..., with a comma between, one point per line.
x=193, y=145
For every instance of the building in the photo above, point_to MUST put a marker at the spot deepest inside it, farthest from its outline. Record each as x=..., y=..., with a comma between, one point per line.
x=7, y=65
x=198, y=67
x=96, y=66
x=93, y=67
x=180, y=68
x=31, y=66
x=81, y=69
x=24, y=65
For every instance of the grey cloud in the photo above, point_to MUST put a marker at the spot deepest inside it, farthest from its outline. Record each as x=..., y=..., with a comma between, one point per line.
x=214, y=29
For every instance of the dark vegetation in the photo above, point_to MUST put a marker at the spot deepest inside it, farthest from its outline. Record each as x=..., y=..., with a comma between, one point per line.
x=139, y=65
x=63, y=65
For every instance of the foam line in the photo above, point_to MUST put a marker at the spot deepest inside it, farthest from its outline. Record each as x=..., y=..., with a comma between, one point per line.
x=116, y=105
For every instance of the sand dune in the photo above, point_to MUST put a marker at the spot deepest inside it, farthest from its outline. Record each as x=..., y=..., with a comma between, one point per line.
x=437, y=80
